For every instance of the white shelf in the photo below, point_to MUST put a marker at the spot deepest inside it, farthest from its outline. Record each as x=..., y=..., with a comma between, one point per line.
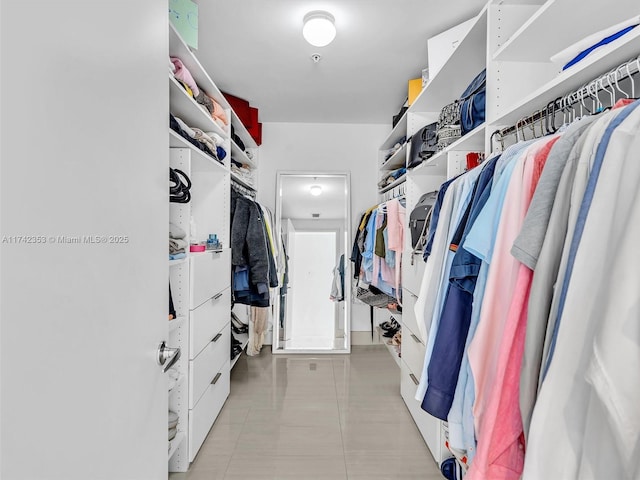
x=241, y=157
x=598, y=63
x=242, y=131
x=176, y=323
x=399, y=131
x=241, y=337
x=180, y=261
x=533, y=42
x=237, y=179
x=468, y=60
x=399, y=181
x=201, y=161
x=437, y=165
x=183, y=106
x=397, y=160
x=391, y=348
x=178, y=48
x=175, y=443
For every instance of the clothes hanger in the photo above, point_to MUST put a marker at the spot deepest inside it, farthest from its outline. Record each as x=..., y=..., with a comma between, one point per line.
x=616, y=80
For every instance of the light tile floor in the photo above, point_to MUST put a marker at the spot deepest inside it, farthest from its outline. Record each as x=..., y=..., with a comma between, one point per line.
x=303, y=417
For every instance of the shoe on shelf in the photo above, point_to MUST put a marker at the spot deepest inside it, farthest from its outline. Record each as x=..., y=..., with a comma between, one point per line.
x=390, y=324
x=391, y=333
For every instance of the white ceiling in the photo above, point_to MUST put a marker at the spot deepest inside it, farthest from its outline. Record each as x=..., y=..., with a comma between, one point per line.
x=298, y=203
x=254, y=49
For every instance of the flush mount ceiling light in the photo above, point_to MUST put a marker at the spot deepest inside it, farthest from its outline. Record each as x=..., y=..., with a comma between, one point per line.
x=319, y=28
x=315, y=190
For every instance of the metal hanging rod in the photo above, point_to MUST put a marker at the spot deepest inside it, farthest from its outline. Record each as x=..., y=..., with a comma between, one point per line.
x=396, y=192
x=545, y=118
x=242, y=189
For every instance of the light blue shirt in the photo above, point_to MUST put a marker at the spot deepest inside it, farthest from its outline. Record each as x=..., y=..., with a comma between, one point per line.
x=462, y=190
x=479, y=242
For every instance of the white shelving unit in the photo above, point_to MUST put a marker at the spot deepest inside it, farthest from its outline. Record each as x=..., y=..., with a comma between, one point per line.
x=512, y=40
x=398, y=181
x=200, y=283
x=397, y=160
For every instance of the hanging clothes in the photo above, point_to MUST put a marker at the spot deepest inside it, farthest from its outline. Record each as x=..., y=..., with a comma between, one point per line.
x=531, y=377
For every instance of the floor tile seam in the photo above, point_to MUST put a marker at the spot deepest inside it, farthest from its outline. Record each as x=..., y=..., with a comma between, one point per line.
x=340, y=417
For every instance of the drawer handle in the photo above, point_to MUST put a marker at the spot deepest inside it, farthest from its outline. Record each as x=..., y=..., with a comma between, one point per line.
x=415, y=380
x=415, y=338
x=216, y=378
x=217, y=296
x=217, y=337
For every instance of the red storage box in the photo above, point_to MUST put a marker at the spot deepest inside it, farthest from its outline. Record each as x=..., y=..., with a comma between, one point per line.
x=241, y=107
x=256, y=133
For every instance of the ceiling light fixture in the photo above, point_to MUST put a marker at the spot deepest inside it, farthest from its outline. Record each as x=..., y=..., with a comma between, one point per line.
x=319, y=28
x=315, y=190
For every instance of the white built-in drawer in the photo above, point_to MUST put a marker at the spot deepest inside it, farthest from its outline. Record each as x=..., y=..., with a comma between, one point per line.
x=413, y=352
x=429, y=426
x=207, y=320
x=210, y=274
x=412, y=274
x=408, y=315
x=202, y=416
x=208, y=363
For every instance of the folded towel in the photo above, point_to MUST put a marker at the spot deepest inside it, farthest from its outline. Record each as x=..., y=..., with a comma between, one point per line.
x=177, y=246
x=177, y=256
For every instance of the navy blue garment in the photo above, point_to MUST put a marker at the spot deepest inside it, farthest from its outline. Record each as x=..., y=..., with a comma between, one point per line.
x=602, y=42
x=448, y=349
x=435, y=215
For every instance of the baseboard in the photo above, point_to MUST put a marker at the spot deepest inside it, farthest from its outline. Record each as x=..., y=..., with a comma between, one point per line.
x=364, y=338
x=357, y=338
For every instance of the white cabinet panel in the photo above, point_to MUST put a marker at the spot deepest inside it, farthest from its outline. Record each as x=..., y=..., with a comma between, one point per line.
x=412, y=274
x=207, y=320
x=206, y=411
x=430, y=427
x=210, y=274
x=413, y=351
x=207, y=364
x=408, y=315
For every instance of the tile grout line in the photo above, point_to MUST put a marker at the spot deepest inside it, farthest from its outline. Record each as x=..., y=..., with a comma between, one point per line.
x=340, y=418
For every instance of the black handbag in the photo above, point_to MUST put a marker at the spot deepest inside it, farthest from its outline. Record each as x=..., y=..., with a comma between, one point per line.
x=423, y=145
x=419, y=219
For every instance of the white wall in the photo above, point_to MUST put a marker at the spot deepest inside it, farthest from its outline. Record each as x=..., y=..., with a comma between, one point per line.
x=318, y=147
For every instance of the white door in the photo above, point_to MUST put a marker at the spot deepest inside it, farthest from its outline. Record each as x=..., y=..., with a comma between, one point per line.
x=84, y=239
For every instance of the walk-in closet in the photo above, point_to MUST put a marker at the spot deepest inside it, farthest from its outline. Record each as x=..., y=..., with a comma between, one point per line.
x=319, y=240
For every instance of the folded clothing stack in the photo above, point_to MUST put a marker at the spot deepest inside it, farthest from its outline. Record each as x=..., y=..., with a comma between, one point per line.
x=209, y=142
x=177, y=242
x=241, y=171
x=392, y=177
x=397, y=146
x=183, y=75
